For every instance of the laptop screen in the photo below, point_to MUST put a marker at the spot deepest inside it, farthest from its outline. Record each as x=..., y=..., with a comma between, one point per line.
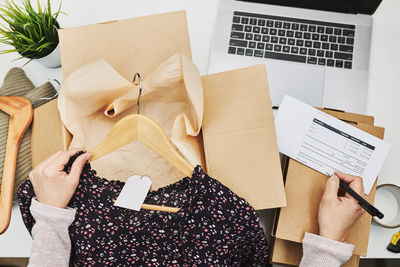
x=344, y=6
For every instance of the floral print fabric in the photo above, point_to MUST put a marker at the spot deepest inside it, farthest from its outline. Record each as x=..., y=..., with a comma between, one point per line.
x=214, y=227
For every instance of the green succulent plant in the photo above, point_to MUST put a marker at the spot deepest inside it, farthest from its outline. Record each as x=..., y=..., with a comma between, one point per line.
x=32, y=33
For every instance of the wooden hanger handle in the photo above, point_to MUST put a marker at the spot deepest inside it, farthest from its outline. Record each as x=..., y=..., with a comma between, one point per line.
x=8, y=182
x=21, y=113
x=160, y=208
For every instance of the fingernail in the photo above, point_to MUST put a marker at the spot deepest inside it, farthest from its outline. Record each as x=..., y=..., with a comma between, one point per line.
x=333, y=177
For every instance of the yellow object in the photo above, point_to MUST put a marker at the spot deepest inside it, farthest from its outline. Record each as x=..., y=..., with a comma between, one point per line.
x=395, y=238
x=394, y=245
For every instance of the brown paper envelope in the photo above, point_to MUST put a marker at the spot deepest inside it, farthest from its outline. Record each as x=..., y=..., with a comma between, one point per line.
x=239, y=136
x=132, y=45
x=290, y=253
x=304, y=188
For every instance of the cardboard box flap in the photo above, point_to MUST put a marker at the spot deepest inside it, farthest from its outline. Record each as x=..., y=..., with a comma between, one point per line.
x=48, y=135
x=349, y=117
x=126, y=44
x=286, y=252
x=239, y=136
x=304, y=188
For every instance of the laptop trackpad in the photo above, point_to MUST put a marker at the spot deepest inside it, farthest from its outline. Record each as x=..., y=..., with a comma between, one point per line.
x=302, y=81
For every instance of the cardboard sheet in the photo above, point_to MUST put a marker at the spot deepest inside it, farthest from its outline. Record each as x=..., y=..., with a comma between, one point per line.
x=172, y=95
x=239, y=136
x=132, y=45
x=304, y=188
x=48, y=135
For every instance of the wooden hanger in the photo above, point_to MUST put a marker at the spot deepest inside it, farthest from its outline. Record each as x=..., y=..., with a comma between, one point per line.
x=139, y=127
x=21, y=113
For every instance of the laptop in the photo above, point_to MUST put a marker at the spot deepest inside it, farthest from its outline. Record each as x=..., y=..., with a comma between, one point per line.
x=316, y=51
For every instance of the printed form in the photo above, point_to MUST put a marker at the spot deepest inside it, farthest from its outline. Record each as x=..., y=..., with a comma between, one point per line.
x=327, y=144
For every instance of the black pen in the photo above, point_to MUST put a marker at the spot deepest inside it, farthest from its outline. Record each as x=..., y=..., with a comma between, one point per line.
x=362, y=202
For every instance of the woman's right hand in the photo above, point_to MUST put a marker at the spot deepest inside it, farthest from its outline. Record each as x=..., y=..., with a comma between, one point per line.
x=51, y=184
x=338, y=213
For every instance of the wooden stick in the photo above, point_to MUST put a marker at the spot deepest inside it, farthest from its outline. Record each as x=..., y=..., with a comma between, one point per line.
x=157, y=207
x=160, y=208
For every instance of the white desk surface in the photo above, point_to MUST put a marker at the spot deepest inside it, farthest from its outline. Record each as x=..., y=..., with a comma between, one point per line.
x=383, y=97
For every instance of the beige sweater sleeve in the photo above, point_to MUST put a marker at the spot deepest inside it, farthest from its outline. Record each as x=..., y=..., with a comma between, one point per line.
x=320, y=251
x=51, y=242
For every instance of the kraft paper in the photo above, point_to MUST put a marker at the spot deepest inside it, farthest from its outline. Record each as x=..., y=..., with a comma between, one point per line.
x=172, y=95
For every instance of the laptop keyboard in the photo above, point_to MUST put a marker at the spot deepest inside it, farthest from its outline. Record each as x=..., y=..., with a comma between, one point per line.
x=299, y=40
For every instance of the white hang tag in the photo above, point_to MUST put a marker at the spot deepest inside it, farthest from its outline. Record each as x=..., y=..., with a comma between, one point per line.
x=134, y=192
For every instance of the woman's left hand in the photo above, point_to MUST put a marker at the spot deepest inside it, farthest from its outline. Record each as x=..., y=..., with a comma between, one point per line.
x=51, y=184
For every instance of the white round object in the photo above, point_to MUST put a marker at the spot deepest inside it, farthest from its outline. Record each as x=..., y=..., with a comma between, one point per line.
x=387, y=200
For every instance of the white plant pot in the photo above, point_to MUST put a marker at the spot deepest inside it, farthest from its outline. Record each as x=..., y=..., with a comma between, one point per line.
x=52, y=60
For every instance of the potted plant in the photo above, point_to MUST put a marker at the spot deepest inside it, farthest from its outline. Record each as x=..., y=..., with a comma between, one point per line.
x=33, y=34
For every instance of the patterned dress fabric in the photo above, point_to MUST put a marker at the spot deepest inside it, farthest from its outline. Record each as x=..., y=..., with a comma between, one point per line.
x=214, y=227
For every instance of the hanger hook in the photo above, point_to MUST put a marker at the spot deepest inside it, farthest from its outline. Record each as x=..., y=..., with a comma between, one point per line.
x=52, y=97
x=140, y=90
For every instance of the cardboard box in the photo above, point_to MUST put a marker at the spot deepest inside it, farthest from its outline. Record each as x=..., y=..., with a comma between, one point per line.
x=304, y=188
x=239, y=140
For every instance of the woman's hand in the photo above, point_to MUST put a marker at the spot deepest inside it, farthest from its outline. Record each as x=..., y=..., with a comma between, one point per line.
x=51, y=184
x=337, y=214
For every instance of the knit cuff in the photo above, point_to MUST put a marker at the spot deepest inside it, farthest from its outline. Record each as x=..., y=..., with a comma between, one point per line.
x=53, y=215
x=342, y=251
